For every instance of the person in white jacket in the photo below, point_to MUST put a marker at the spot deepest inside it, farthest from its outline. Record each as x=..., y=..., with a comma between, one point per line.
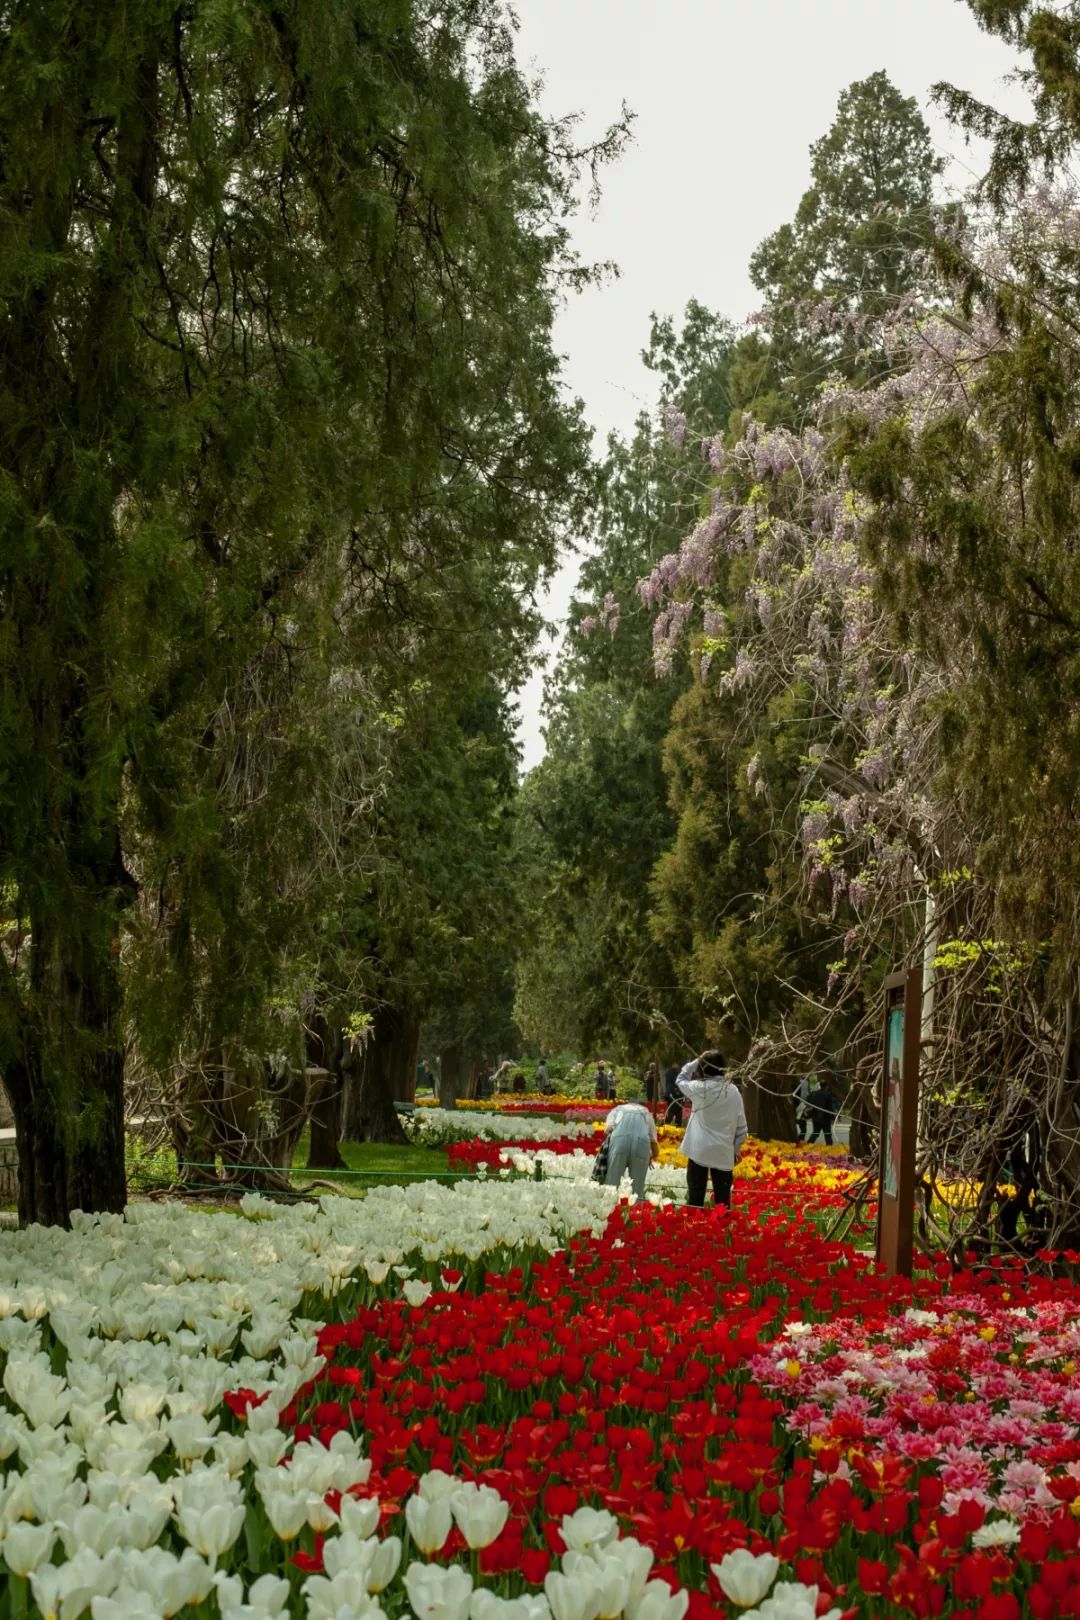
x=717, y=1129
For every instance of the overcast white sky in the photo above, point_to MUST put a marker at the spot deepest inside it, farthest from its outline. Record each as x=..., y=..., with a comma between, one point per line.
x=729, y=94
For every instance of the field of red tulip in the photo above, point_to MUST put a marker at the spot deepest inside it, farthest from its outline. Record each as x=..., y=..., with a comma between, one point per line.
x=736, y=1382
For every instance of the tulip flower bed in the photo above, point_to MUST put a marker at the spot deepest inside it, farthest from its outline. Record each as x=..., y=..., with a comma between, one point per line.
x=443, y=1126
x=512, y=1400
x=629, y=1373
x=471, y=1154
x=529, y=1103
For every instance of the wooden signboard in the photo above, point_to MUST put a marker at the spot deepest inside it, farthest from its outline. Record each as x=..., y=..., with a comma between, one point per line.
x=899, y=1120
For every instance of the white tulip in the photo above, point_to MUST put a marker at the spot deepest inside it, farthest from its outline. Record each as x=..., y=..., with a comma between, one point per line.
x=480, y=1514
x=212, y=1530
x=360, y=1515
x=191, y=1436
x=659, y=1602
x=125, y=1604
x=266, y=1448
x=572, y=1597
x=588, y=1528
x=487, y=1605
x=745, y=1577
x=436, y=1593
x=25, y=1546
x=141, y=1403
x=609, y=1578
x=64, y=1591
x=231, y=1452
x=11, y=1433
x=429, y=1522
x=342, y=1598
x=286, y=1511
x=436, y=1486
x=268, y=1598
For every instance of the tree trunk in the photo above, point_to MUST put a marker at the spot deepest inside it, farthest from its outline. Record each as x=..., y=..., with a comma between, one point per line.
x=451, y=1068
x=770, y=1112
x=326, y=1051
x=67, y=1085
x=379, y=1075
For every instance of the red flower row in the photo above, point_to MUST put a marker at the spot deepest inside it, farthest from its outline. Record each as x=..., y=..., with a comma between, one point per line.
x=617, y=1373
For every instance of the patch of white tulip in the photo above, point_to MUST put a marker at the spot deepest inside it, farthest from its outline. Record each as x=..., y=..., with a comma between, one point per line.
x=124, y=1496
x=663, y=1180
x=437, y=1125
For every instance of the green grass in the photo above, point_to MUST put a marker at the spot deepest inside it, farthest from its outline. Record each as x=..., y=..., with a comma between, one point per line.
x=383, y=1164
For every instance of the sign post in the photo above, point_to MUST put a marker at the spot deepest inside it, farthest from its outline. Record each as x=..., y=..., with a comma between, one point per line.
x=899, y=1120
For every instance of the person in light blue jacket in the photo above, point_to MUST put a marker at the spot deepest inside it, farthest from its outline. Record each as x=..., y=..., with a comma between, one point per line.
x=632, y=1144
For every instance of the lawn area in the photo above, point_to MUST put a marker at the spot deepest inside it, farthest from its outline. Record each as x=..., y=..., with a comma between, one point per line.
x=378, y=1164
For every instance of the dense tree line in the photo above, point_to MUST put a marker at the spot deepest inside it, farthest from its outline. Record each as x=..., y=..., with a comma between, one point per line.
x=868, y=629
x=285, y=455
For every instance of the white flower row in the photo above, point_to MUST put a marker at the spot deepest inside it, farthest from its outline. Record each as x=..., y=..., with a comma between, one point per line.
x=663, y=1180
x=120, y=1338
x=456, y=1125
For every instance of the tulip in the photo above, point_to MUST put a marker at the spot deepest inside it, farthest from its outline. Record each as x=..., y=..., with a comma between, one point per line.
x=25, y=1546
x=745, y=1577
x=480, y=1514
x=191, y=1436
x=429, y=1522
x=385, y=1562
x=286, y=1511
x=268, y=1598
x=435, y=1485
x=635, y=1559
x=345, y=1597
x=572, y=1597
x=124, y=1604
x=320, y=1516
x=487, y=1605
x=266, y=1448
x=588, y=1528
x=360, y=1515
x=212, y=1530
x=438, y=1594
x=65, y=1591
x=659, y=1602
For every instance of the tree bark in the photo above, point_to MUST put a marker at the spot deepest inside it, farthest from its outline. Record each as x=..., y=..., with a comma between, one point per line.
x=326, y=1049
x=770, y=1113
x=379, y=1075
x=451, y=1069
x=66, y=1085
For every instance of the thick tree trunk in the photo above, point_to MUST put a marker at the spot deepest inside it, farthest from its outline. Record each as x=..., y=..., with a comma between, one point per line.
x=451, y=1069
x=69, y=1157
x=326, y=1049
x=770, y=1112
x=67, y=1085
x=384, y=1072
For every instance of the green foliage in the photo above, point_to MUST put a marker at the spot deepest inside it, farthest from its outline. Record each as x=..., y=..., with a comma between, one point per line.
x=593, y=817
x=279, y=409
x=852, y=247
